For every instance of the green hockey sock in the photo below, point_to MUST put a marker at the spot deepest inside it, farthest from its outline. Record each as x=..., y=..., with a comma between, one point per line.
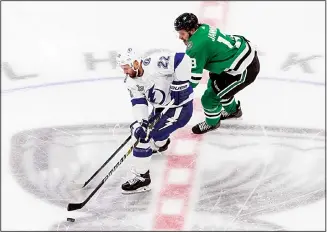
x=229, y=105
x=213, y=116
x=211, y=106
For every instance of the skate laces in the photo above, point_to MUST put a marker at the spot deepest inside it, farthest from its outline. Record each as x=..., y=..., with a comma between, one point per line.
x=136, y=178
x=224, y=113
x=204, y=126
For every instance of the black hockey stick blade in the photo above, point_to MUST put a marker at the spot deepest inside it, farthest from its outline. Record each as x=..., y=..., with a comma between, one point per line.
x=75, y=206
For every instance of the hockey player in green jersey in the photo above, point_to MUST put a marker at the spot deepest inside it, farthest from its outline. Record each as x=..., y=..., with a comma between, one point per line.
x=232, y=63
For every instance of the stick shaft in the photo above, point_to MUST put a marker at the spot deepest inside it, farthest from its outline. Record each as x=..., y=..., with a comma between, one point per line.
x=107, y=161
x=75, y=206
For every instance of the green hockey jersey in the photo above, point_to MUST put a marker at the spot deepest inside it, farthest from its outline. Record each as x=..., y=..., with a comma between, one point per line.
x=217, y=52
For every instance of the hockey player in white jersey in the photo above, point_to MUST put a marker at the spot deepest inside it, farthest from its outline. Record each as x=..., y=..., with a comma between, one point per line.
x=155, y=80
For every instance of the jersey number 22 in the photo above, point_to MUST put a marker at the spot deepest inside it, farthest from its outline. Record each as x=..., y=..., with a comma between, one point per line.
x=163, y=62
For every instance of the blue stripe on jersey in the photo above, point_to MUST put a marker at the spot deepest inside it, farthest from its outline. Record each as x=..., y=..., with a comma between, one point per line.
x=136, y=101
x=142, y=153
x=178, y=59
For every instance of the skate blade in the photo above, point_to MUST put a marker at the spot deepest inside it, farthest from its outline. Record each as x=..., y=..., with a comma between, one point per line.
x=158, y=153
x=139, y=190
x=232, y=119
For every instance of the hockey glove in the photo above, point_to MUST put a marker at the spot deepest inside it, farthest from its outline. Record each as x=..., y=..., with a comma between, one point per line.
x=180, y=91
x=138, y=129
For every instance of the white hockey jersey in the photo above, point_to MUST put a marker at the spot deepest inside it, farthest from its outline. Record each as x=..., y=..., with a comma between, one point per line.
x=160, y=70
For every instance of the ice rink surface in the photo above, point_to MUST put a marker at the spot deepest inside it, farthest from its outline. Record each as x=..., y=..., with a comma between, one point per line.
x=263, y=172
x=251, y=174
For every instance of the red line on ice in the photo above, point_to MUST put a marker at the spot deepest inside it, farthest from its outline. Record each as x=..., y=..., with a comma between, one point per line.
x=182, y=192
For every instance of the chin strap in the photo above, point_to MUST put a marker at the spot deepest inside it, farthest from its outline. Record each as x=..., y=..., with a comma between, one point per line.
x=137, y=72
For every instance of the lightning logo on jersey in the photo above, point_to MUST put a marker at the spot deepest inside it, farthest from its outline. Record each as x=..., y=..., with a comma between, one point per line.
x=170, y=121
x=156, y=95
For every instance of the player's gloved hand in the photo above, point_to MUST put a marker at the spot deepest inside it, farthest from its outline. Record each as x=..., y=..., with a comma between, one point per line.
x=180, y=91
x=138, y=129
x=142, y=148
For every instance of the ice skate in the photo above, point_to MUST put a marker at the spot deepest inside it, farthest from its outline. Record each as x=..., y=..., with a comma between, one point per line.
x=203, y=127
x=235, y=115
x=140, y=183
x=156, y=149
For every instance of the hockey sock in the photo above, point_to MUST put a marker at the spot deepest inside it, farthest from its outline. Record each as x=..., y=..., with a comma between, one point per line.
x=160, y=143
x=213, y=116
x=141, y=157
x=211, y=106
x=229, y=105
x=141, y=164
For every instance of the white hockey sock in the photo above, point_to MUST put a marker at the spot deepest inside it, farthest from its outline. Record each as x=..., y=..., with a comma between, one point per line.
x=160, y=143
x=141, y=164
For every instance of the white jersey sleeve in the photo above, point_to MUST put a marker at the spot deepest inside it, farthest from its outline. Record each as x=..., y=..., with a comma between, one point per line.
x=182, y=67
x=138, y=99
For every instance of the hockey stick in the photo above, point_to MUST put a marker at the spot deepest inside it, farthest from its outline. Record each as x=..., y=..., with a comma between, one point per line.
x=77, y=185
x=76, y=206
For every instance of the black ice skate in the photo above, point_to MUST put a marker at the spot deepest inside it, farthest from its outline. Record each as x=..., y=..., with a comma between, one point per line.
x=237, y=114
x=203, y=127
x=161, y=149
x=140, y=183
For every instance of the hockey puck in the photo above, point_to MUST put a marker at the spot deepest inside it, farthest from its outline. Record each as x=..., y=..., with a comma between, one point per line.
x=70, y=219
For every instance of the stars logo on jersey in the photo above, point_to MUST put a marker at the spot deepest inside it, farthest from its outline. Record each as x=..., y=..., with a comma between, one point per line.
x=189, y=45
